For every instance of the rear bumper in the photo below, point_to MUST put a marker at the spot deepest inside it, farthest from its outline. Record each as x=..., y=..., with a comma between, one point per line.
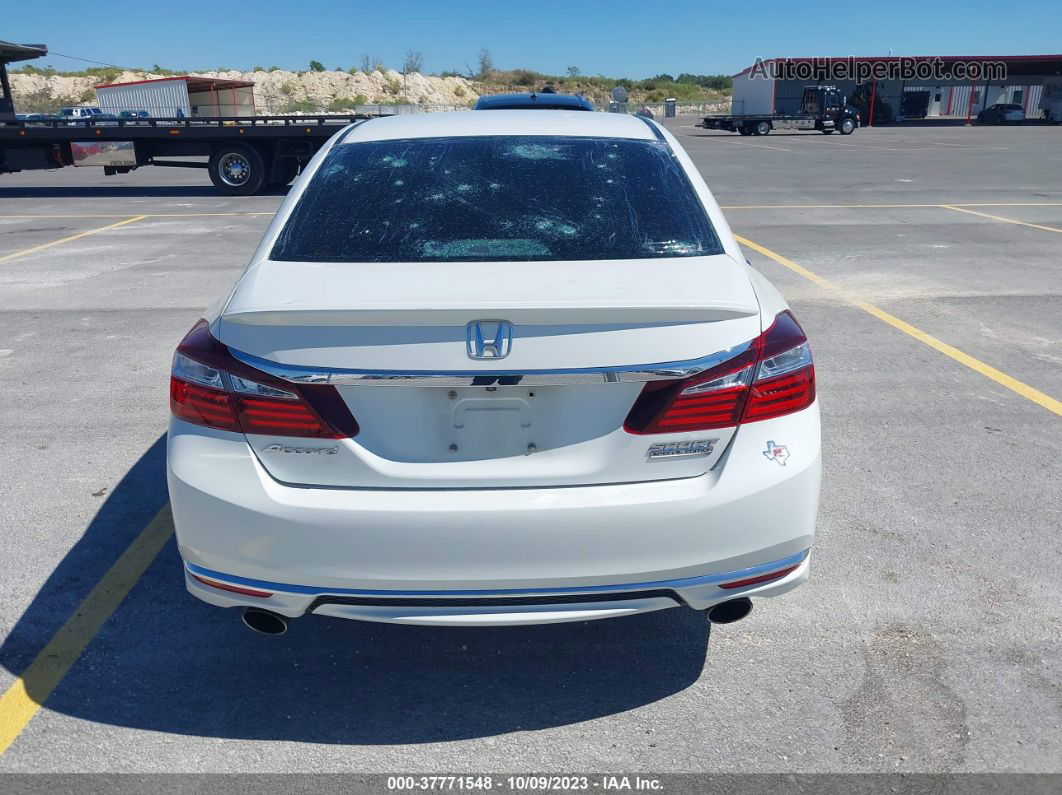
x=654, y=544
x=498, y=607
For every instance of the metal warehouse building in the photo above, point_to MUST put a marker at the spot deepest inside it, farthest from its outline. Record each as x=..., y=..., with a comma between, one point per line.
x=948, y=94
x=184, y=96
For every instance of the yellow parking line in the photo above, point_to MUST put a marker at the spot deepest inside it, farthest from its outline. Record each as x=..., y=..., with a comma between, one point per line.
x=61, y=241
x=1001, y=378
x=28, y=693
x=65, y=215
x=959, y=209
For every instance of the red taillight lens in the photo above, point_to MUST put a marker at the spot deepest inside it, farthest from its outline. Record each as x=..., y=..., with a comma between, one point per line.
x=783, y=394
x=281, y=418
x=772, y=377
x=201, y=405
x=210, y=387
x=709, y=400
x=706, y=410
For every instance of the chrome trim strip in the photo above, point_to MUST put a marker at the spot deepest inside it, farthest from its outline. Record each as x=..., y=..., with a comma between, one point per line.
x=678, y=584
x=660, y=371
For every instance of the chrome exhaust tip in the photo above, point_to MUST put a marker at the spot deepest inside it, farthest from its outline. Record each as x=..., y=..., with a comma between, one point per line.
x=264, y=621
x=730, y=611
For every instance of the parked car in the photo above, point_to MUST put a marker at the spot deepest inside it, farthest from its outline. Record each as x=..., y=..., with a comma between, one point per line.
x=133, y=117
x=84, y=115
x=1001, y=113
x=31, y=117
x=538, y=384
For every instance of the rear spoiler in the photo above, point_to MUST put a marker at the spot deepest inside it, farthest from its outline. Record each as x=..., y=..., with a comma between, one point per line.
x=666, y=290
x=458, y=314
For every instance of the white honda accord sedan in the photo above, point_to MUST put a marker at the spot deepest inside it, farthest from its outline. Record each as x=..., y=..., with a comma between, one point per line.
x=495, y=367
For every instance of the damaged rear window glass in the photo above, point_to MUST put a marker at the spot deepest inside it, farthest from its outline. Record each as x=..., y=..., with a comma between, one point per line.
x=497, y=199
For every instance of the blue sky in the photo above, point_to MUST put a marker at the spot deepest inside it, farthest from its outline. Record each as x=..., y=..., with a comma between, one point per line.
x=617, y=38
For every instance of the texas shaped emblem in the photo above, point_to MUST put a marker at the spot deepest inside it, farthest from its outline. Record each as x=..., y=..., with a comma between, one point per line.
x=777, y=452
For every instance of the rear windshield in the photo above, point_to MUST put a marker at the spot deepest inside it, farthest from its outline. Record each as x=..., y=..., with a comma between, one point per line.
x=497, y=198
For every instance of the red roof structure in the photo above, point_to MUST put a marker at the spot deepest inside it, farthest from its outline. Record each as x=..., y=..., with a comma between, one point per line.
x=194, y=82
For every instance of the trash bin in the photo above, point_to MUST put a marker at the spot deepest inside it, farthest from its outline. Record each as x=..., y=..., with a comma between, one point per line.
x=669, y=108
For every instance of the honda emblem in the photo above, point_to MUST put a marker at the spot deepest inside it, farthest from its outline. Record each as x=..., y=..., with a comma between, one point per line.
x=488, y=339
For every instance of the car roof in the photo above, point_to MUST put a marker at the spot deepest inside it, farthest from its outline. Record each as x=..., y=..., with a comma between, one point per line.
x=454, y=124
x=533, y=101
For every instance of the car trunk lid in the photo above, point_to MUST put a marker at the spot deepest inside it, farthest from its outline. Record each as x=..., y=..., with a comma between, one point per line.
x=395, y=339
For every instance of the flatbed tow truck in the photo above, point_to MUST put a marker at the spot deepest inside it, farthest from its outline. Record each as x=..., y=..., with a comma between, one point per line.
x=822, y=108
x=245, y=154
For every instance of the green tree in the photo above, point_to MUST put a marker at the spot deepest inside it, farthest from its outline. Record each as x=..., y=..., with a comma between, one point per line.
x=524, y=77
x=347, y=103
x=300, y=106
x=316, y=66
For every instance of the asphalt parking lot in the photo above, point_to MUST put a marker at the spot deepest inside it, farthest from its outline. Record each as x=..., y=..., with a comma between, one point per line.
x=924, y=263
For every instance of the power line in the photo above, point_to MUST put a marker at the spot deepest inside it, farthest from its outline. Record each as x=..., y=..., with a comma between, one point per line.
x=98, y=63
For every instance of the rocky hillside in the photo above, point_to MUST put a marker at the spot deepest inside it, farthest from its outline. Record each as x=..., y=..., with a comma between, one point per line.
x=275, y=92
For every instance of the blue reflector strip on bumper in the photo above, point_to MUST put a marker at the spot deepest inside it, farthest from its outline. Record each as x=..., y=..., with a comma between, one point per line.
x=686, y=582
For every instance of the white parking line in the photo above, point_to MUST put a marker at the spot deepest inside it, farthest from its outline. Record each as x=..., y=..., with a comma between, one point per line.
x=746, y=143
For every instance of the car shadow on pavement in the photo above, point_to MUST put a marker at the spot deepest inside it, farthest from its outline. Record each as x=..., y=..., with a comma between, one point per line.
x=167, y=662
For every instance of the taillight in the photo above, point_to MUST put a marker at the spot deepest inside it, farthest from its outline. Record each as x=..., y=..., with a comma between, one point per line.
x=773, y=376
x=198, y=395
x=210, y=387
x=713, y=399
x=785, y=394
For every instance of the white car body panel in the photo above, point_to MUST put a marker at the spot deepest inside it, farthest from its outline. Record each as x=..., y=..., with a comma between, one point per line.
x=751, y=512
x=408, y=433
x=502, y=490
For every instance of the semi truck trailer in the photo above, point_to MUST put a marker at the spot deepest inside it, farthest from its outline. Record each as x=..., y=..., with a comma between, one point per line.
x=822, y=108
